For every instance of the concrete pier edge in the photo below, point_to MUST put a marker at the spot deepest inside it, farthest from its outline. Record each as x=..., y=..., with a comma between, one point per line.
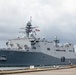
x=3, y=72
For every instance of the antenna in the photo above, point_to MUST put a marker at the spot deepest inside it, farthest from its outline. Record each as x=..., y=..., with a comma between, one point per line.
x=55, y=37
x=56, y=41
x=30, y=18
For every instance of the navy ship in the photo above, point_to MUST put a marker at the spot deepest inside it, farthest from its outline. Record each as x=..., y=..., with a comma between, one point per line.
x=31, y=50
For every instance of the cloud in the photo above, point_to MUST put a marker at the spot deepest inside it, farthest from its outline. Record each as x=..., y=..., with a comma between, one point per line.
x=54, y=17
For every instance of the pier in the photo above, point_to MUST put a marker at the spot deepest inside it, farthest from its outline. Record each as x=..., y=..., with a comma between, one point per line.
x=52, y=70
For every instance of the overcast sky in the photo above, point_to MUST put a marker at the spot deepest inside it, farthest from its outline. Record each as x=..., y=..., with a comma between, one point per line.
x=54, y=17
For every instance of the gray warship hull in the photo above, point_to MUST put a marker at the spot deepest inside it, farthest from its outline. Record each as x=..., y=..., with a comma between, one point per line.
x=22, y=58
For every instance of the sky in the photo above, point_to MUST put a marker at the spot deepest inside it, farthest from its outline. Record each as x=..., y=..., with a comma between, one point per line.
x=54, y=17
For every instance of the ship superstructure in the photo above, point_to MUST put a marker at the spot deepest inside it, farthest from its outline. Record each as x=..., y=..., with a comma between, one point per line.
x=30, y=50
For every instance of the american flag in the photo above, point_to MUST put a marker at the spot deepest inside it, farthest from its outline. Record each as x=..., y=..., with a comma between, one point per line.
x=37, y=29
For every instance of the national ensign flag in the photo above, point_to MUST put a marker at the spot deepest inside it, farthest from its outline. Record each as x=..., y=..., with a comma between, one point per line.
x=37, y=29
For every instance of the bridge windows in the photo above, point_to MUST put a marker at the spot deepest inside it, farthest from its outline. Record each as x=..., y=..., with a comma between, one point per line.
x=61, y=50
x=48, y=48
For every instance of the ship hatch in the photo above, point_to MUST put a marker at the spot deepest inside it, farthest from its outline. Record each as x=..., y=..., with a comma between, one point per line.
x=3, y=58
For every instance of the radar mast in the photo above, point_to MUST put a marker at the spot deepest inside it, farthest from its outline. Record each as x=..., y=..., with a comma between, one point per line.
x=28, y=27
